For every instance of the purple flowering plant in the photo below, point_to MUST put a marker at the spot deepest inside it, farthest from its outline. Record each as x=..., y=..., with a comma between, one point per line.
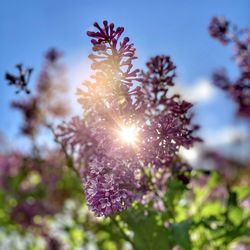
x=239, y=88
x=115, y=177
x=131, y=130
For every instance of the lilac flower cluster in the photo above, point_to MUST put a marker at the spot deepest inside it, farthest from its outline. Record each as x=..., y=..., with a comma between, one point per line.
x=218, y=29
x=9, y=167
x=29, y=109
x=112, y=61
x=238, y=89
x=21, y=80
x=52, y=85
x=16, y=166
x=110, y=185
x=35, y=184
x=25, y=212
x=167, y=118
x=45, y=100
x=131, y=132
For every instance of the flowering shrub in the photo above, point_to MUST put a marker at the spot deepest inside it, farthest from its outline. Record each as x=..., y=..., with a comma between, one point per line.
x=138, y=192
x=142, y=126
x=238, y=89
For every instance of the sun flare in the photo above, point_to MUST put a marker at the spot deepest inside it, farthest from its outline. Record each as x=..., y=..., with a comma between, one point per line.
x=129, y=134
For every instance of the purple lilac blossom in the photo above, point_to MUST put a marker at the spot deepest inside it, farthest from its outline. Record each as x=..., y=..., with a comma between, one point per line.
x=21, y=80
x=30, y=111
x=24, y=213
x=116, y=173
x=218, y=29
x=238, y=89
x=47, y=101
x=9, y=167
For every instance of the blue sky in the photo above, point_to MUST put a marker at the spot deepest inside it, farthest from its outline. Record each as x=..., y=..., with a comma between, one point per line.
x=177, y=28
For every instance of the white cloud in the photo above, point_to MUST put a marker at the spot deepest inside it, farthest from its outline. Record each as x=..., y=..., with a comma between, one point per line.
x=225, y=136
x=201, y=91
x=231, y=141
x=190, y=155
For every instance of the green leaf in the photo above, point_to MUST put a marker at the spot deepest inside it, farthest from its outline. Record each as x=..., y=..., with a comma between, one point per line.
x=148, y=232
x=180, y=234
x=232, y=199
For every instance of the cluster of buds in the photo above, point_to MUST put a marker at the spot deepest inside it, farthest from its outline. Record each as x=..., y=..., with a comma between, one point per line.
x=21, y=80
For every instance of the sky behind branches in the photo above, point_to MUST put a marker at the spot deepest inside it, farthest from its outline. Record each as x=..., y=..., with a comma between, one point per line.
x=177, y=28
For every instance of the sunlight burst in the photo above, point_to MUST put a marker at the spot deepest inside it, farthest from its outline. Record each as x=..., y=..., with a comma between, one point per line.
x=129, y=134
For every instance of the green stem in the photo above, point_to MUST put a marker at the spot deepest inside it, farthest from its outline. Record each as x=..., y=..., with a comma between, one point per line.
x=69, y=161
x=125, y=236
